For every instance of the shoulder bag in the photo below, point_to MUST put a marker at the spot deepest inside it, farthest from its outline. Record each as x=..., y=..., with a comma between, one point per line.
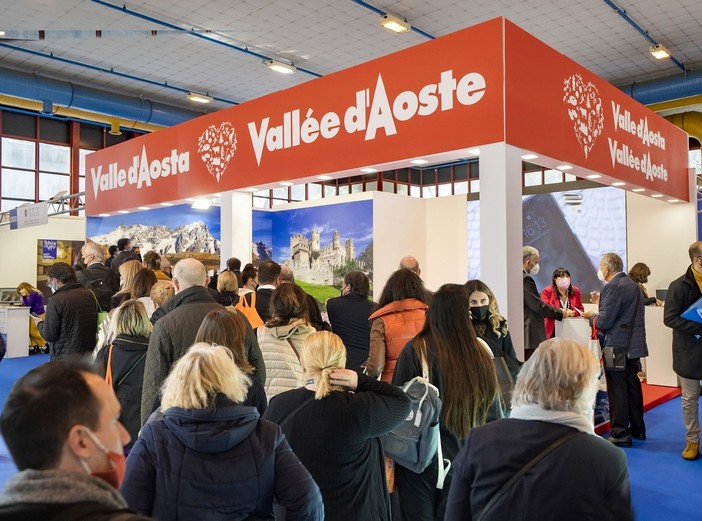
x=505, y=488
x=249, y=310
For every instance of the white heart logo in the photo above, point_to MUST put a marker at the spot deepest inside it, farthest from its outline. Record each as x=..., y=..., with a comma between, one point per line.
x=584, y=110
x=216, y=147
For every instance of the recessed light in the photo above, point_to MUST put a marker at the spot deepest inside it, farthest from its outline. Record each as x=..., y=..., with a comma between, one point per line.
x=166, y=204
x=530, y=156
x=278, y=66
x=200, y=98
x=191, y=200
x=286, y=183
x=251, y=189
x=657, y=195
x=104, y=214
x=144, y=208
x=122, y=211
x=593, y=176
x=639, y=190
x=673, y=200
x=368, y=170
x=618, y=184
x=419, y=161
x=217, y=195
x=474, y=151
x=325, y=177
x=564, y=167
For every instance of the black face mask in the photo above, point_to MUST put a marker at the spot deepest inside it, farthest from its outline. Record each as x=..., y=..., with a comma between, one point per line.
x=479, y=312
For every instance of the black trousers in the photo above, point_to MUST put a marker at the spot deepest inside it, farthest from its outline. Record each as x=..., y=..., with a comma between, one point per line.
x=419, y=498
x=626, y=400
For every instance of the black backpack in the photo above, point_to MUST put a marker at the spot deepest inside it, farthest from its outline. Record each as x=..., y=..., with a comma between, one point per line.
x=101, y=288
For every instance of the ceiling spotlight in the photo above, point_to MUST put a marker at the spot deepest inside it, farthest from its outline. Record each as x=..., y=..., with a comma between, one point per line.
x=166, y=204
x=564, y=167
x=593, y=176
x=103, y=214
x=368, y=170
x=659, y=51
x=419, y=161
x=673, y=200
x=286, y=183
x=122, y=211
x=527, y=157
x=200, y=98
x=144, y=208
x=2, y=33
x=394, y=24
x=639, y=190
x=657, y=195
x=618, y=183
x=114, y=128
x=284, y=68
x=325, y=177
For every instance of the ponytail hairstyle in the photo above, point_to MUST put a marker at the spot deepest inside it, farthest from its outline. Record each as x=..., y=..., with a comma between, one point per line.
x=322, y=353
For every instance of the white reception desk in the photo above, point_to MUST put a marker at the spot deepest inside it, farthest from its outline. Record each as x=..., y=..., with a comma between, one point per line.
x=659, y=364
x=14, y=323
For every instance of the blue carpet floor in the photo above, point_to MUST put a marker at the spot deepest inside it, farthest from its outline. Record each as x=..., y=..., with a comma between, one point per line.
x=664, y=487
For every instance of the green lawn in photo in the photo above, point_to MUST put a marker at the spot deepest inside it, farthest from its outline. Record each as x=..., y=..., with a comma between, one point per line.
x=321, y=292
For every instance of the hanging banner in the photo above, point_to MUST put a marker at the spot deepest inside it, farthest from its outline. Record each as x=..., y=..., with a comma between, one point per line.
x=423, y=100
x=30, y=215
x=557, y=108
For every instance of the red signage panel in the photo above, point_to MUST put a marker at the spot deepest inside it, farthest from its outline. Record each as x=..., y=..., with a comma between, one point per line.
x=555, y=107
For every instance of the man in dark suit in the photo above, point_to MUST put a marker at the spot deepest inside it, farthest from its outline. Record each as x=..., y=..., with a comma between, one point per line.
x=348, y=315
x=125, y=254
x=621, y=318
x=268, y=281
x=97, y=277
x=535, y=309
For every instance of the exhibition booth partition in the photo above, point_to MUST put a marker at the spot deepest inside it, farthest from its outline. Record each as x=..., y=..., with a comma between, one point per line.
x=490, y=90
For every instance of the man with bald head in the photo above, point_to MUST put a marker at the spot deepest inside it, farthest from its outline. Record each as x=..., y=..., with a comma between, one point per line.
x=687, y=346
x=410, y=263
x=175, y=332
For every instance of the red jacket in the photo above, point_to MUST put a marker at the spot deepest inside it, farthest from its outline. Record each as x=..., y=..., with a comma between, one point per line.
x=574, y=302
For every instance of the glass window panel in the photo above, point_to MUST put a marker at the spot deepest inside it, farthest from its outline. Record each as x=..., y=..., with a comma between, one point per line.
x=261, y=202
x=314, y=191
x=9, y=204
x=532, y=178
x=429, y=191
x=297, y=193
x=415, y=191
x=281, y=193
x=357, y=188
x=343, y=190
x=371, y=186
x=262, y=193
x=462, y=187
x=51, y=184
x=54, y=158
x=696, y=160
x=81, y=184
x=444, y=190
x=569, y=178
x=402, y=189
x=18, y=153
x=553, y=176
x=278, y=202
x=18, y=183
x=82, y=154
x=388, y=186
x=329, y=191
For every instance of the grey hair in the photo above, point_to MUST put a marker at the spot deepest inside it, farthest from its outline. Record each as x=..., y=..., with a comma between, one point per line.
x=561, y=375
x=613, y=262
x=528, y=252
x=95, y=250
x=189, y=273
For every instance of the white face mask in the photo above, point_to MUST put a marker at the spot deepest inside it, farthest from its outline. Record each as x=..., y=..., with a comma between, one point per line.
x=601, y=276
x=534, y=269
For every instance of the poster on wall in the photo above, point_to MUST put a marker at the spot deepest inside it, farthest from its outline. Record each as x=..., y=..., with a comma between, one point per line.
x=571, y=229
x=174, y=231
x=51, y=251
x=320, y=244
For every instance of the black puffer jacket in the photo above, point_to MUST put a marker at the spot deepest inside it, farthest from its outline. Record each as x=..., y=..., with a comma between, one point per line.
x=70, y=323
x=687, y=335
x=128, y=361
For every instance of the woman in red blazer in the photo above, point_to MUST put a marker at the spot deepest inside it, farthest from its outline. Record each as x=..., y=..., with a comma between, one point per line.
x=561, y=294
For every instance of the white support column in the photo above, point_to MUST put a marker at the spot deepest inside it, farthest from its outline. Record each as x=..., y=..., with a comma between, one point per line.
x=236, y=226
x=501, y=233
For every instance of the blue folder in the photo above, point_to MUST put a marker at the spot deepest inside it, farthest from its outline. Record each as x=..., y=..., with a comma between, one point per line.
x=694, y=312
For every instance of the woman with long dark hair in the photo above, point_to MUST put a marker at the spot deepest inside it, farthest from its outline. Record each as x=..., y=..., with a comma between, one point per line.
x=461, y=367
x=400, y=315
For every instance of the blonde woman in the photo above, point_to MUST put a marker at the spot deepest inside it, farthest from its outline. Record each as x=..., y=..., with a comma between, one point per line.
x=161, y=293
x=34, y=300
x=553, y=399
x=228, y=288
x=127, y=272
x=210, y=457
x=335, y=433
x=126, y=357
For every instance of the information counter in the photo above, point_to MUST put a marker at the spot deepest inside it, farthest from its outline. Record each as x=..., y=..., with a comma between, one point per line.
x=14, y=323
x=659, y=364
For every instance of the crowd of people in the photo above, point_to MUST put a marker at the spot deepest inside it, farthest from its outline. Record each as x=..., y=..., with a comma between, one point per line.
x=245, y=402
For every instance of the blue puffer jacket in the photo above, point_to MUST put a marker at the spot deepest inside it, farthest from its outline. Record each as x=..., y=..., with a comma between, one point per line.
x=621, y=308
x=223, y=462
